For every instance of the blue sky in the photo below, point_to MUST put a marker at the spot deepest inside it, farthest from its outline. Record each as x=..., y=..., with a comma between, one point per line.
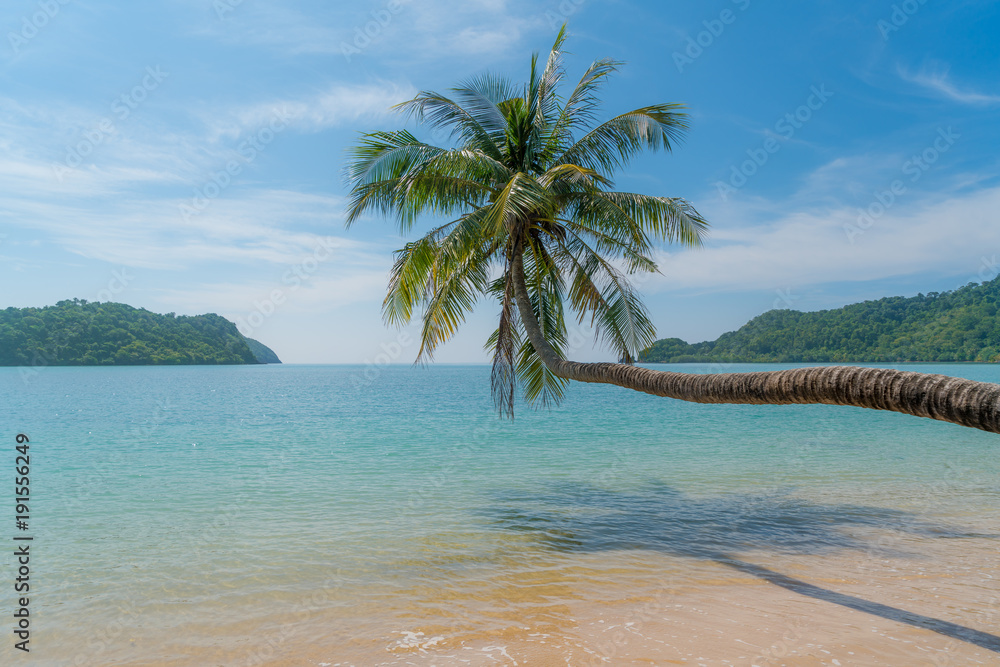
x=187, y=155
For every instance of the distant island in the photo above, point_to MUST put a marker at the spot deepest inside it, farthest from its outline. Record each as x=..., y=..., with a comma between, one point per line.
x=961, y=325
x=81, y=333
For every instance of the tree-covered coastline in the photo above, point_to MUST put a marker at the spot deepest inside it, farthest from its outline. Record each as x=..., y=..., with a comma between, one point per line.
x=82, y=333
x=957, y=326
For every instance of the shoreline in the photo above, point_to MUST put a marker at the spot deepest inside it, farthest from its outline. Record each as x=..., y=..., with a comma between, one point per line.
x=624, y=608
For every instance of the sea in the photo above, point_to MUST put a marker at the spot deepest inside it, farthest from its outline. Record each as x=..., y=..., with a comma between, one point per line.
x=352, y=515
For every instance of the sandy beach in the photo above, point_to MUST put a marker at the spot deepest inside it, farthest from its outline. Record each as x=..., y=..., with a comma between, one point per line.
x=904, y=602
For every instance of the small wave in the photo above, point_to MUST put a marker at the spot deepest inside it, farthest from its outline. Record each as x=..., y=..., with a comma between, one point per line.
x=415, y=641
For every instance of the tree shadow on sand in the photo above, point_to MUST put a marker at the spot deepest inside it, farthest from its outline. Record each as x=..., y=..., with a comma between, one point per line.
x=575, y=518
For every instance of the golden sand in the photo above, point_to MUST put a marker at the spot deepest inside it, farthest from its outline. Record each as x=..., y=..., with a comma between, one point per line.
x=626, y=608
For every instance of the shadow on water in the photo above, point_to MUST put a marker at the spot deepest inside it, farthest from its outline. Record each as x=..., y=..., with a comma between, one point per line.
x=575, y=518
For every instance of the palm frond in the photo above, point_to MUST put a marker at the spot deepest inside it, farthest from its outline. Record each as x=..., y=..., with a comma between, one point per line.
x=386, y=155
x=599, y=290
x=505, y=343
x=440, y=112
x=545, y=98
x=626, y=215
x=408, y=281
x=579, y=178
x=636, y=261
x=581, y=107
x=522, y=198
x=612, y=144
x=453, y=291
x=481, y=96
x=541, y=387
x=668, y=218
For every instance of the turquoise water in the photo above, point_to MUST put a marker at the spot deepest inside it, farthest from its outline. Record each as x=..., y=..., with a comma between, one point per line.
x=179, y=511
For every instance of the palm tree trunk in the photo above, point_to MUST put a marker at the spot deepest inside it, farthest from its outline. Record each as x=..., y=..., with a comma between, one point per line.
x=956, y=400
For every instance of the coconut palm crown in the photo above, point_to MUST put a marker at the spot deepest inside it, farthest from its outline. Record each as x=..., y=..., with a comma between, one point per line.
x=529, y=182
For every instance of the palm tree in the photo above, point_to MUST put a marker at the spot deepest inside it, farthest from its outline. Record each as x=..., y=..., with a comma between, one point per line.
x=533, y=221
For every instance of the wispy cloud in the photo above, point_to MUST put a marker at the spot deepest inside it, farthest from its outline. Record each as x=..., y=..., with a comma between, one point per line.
x=331, y=287
x=122, y=202
x=338, y=105
x=96, y=149
x=946, y=234
x=268, y=227
x=940, y=84
x=427, y=29
x=273, y=25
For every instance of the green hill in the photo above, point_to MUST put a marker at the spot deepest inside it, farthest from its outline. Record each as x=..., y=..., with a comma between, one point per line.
x=262, y=353
x=78, y=333
x=961, y=325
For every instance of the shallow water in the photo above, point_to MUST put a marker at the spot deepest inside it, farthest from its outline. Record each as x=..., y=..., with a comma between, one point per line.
x=304, y=515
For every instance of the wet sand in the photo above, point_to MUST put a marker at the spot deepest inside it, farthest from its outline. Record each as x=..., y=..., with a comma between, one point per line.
x=880, y=607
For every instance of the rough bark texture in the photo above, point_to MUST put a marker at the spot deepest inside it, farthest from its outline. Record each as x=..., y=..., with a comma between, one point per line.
x=950, y=399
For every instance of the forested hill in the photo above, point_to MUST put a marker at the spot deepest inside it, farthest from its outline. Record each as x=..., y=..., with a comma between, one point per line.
x=962, y=325
x=262, y=353
x=78, y=333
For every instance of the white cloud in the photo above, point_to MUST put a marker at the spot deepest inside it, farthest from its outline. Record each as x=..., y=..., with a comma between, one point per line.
x=338, y=105
x=428, y=29
x=941, y=85
x=262, y=227
x=490, y=28
x=273, y=25
x=330, y=286
x=73, y=151
x=486, y=40
x=947, y=234
x=122, y=202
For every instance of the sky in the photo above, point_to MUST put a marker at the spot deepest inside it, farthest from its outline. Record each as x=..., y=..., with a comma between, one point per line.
x=187, y=155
